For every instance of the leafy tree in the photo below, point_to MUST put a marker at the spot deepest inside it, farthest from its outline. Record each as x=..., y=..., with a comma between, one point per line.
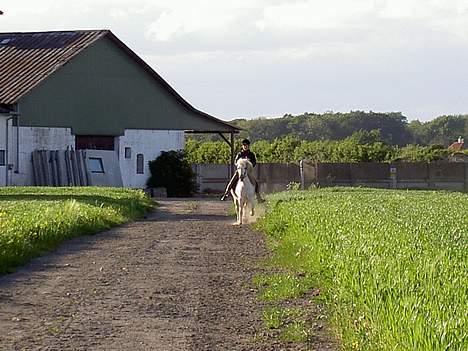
x=172, y=171
x=279, y=150
x=443, y=130
x=418, y=132
x=417, y=153
x=317, y=151
x=366, y=136
x=328, y=126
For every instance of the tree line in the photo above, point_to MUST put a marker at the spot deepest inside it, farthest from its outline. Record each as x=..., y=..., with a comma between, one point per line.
x=361, y=146
x=356, y=136
x=394, y=127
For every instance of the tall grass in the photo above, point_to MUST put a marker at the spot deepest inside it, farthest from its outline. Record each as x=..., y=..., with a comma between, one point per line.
x=34, y=220
x=392, y=265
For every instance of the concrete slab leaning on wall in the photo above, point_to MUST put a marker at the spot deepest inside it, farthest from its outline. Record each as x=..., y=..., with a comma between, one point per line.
x=76, y=168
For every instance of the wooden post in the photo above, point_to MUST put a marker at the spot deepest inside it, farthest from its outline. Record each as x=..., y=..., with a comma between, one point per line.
x=466, y=177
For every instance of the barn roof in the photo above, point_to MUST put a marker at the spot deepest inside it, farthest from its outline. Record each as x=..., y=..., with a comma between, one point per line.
x=28, y=58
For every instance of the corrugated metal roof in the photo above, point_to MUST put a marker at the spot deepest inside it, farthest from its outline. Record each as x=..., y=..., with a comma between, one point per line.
x=28, y=58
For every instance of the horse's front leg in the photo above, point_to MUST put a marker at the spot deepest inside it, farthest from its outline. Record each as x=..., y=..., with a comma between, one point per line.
x=236, y=206
x=241, y=212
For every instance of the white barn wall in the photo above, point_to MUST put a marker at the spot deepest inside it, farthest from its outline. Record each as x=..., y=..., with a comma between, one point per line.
x=2, y=146
x=150, y=143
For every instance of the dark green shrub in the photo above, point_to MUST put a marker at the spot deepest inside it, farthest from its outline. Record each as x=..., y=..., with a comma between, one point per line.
x=172, y=171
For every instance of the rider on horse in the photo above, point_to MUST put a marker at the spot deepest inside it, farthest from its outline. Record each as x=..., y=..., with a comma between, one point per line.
x=249, y=155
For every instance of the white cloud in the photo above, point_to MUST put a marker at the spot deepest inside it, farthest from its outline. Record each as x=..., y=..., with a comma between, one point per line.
x=314, y=14
x=177, y=17
x=417, y=9
x=186, y=20
x=446, y=19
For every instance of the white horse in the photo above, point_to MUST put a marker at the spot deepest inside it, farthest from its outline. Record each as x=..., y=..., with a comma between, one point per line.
x=244, y=192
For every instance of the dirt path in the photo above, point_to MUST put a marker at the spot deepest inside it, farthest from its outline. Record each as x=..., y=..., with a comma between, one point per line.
x=178, y=280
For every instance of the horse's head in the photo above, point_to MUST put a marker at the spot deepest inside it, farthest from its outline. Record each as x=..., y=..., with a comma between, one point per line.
x=243, y=168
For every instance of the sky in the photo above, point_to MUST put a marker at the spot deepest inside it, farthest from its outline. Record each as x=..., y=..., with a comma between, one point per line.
x=266, y=58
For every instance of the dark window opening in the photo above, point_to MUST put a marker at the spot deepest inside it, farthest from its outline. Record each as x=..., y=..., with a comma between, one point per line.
x=128, y=152
x=140, y=164
x=94, y=142
x=2, y=158
x=95, y=165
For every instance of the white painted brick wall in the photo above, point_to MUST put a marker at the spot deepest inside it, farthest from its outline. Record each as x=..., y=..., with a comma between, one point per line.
x=150, y=143
x=2, y=147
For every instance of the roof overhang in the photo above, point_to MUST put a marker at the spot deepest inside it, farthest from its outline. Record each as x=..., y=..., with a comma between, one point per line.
x=6, y=109
x=234, y=131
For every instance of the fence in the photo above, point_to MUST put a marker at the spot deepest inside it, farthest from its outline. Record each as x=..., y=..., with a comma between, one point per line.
x=213, y=178
x=402, y=175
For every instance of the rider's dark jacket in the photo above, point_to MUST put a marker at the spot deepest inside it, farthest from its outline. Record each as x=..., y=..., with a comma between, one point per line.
x=248, y=155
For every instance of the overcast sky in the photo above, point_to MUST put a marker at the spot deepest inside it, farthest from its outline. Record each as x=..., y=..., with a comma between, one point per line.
x=252, y=58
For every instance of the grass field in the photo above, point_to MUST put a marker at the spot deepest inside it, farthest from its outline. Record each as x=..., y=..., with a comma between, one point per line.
x=36, y=219
x=392, y=266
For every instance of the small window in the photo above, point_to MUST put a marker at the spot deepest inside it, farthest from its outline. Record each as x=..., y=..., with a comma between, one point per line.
x=2, y=158
x=140, y=164
x=95, y=165
x=128, y=152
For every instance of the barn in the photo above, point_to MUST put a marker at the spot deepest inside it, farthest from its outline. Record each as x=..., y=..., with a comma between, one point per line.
x=86, y=90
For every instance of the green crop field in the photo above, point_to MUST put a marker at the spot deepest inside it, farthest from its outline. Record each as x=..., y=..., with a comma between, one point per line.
x=36, y=219
x=392, y=266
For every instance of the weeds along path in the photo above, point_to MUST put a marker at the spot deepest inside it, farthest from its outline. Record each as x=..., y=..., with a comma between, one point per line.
x=178, y=280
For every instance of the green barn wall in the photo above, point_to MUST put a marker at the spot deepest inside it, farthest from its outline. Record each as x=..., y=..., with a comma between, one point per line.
x=103, y=91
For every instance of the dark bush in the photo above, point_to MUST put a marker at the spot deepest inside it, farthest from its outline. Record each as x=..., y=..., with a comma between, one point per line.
x=172, y=171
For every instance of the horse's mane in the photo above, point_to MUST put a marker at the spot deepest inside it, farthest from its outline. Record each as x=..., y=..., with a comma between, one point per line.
x=244, y=163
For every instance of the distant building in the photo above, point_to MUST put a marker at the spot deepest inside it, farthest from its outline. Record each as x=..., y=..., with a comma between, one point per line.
x=456, y=149
x=458, y=145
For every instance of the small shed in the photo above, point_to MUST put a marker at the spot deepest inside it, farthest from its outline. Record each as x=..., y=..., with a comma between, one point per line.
x=87, y=90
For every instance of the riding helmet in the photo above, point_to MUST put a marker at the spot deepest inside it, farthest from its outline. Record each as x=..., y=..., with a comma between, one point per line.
x=246, y=142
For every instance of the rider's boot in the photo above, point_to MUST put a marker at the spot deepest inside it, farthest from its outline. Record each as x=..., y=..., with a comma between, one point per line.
x=225, y=195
